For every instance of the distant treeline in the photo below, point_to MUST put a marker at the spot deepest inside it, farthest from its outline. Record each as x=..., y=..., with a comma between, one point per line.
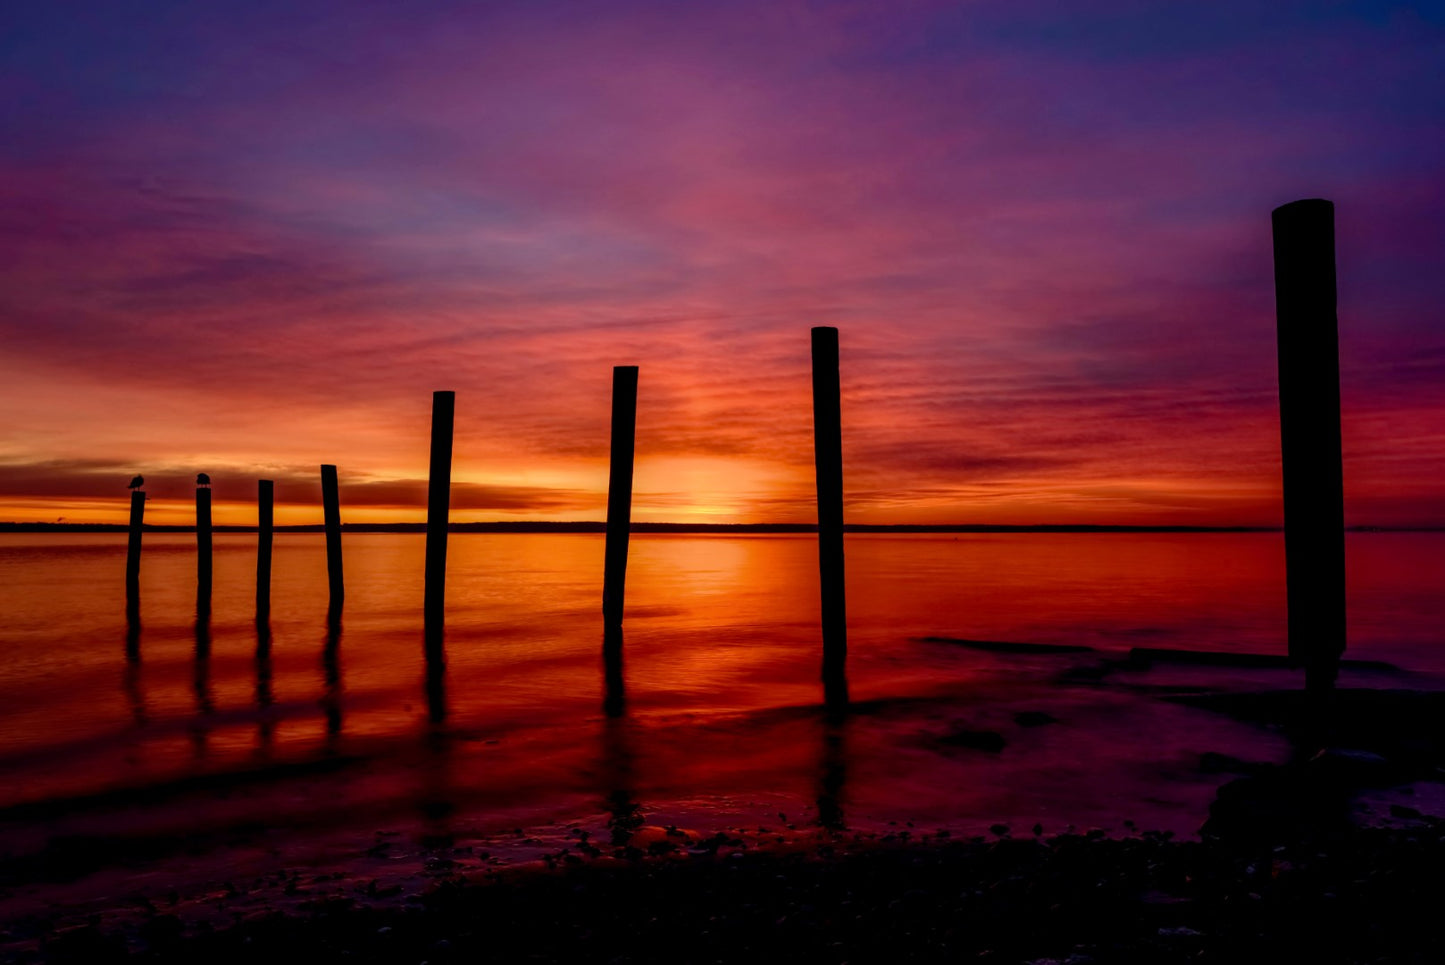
x=588, y=526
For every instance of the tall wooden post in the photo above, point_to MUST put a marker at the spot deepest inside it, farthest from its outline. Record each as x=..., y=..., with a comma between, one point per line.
x=132, y=555
x=828, y=460
x=331, y=509
x=438, y=508
x=619, y=493
x=1309, y=416
x=265, y=517
x=203, y=541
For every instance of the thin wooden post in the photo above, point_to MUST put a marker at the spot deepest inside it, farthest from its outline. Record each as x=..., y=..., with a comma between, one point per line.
x=438, y=508
x=1309, y=417
x=331, y=509
x=619, y=493
x=828, y=461
x=132, y=555
x=203, y=541
x=265, y=517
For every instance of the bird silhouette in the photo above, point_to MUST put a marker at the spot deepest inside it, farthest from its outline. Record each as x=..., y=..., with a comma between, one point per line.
x=202, y=479
x=137, y=482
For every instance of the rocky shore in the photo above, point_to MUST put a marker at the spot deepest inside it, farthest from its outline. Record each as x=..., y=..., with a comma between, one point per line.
x=1352, y=895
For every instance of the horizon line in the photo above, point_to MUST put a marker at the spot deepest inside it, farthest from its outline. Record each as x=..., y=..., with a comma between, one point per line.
x=595, y=526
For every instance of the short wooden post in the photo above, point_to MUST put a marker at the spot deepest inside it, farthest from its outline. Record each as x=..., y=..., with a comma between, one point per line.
x=331, y=509
x=1309, y=416
x=438, y=509
x=265, y=517
x=132, y=555
x=828, y=460
x=203, y=541
x=619, y=493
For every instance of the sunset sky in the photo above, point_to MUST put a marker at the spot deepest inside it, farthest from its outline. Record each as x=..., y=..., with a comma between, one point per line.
x=250, y=238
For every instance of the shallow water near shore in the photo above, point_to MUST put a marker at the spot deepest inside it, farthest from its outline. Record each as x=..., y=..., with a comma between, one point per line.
x=208, y=732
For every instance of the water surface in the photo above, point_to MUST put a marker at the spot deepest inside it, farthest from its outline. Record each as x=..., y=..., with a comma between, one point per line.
x=211, y=720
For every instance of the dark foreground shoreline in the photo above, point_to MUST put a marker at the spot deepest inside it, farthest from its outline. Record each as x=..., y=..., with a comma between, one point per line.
x=1353, y=895
x=1286, y=869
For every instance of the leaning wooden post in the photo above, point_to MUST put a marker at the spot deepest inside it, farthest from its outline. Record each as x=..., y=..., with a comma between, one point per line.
x=203, y=536
x=331, y=509
x=1309, y=417
x=132, y=554
x=619, y=493
x=438, y=506
x=828, y=459
x=265, y=517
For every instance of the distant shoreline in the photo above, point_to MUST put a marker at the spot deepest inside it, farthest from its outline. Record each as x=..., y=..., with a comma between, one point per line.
x=588, y=526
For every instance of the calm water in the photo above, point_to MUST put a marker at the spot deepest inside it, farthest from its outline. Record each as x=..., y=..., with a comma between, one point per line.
x=721, y=676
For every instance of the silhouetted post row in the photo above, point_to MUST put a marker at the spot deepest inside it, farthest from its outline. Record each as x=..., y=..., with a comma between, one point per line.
x=265, y=518
x=828, y=459
x=619, y=493
x=438, y=509
x=132, y=552
x=1309, y=416
x=331, y=510
x=203, y=536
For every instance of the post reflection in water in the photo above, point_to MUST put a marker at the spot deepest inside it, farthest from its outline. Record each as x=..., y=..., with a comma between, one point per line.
x=201, y=678
x=132, y=631
x=835, y=690
x=618, y=758
x=833, y=771
x=265, y=723
x=331, y=673
x=435, y=685
x=614, y=697
x=436, y=801
x=130, y=679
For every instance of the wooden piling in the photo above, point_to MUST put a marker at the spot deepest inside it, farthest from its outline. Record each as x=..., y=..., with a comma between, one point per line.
x=265, y=517
x=132, y=555
x=203, y=542
x=828, y=461
x=438, y=508
x=619, y=493
x=331, y=509
x=1309, y=411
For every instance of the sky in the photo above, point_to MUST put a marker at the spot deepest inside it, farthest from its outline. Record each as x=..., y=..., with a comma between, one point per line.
x=252, y=238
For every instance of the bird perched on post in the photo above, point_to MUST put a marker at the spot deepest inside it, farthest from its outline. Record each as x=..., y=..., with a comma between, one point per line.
x=137, y=482
x=202, y=479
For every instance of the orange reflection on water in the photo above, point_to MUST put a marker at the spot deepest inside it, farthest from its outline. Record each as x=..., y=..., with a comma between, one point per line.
x=718, y=678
